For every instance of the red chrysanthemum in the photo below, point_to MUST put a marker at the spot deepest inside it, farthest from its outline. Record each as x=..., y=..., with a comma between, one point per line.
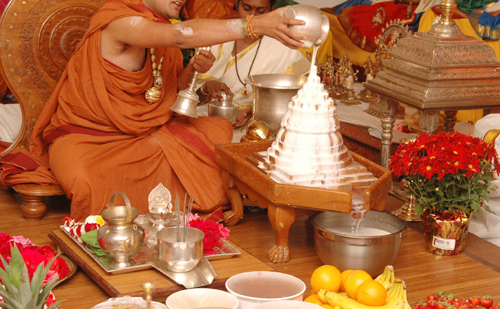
x=452, y=169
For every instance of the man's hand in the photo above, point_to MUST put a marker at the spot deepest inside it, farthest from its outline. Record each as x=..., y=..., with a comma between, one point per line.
x=243, y=117
x=202, y=61
x=214, y=88
x=275, y=25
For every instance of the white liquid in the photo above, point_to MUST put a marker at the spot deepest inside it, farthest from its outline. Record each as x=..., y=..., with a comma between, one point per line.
x=358, y=230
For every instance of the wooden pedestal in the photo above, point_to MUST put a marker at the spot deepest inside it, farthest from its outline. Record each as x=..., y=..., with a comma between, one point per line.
x=285, y=201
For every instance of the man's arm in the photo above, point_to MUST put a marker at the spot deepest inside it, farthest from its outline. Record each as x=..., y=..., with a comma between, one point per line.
x=140, y=32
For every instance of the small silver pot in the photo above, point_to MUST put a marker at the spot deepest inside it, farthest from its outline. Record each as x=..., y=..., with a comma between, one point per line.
x=224, y=108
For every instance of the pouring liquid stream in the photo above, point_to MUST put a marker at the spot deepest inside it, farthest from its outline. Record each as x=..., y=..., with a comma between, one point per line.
x=358, y=213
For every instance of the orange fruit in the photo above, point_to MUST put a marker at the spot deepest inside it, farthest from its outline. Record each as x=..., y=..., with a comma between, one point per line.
x=343, y=277
x=371, y=293
x=313, y=298
x=354, y=280
x=326, y=277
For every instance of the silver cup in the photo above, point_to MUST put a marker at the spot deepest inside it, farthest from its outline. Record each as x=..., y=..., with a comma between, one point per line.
x=180, y=256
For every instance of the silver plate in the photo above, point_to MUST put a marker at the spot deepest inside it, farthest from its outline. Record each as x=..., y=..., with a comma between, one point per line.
x=223, y=251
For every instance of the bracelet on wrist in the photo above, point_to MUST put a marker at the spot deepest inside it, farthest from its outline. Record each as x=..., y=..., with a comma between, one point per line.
x=251, y=34
x=244, y=28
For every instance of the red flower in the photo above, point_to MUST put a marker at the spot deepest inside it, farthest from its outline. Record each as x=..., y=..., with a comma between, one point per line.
x=213, y=233
x=34, y=256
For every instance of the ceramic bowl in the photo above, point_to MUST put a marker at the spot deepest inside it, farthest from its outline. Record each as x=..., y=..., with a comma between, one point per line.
x=200, y=298
x=128, y=300
x=287, y=304
x=374, y=246
x=256, y=287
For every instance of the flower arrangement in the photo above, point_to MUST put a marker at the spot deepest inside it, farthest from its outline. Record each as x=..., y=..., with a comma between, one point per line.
x=447, y=171
x=34, y=255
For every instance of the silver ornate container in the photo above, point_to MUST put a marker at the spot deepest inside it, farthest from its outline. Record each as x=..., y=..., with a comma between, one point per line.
x=441, y=70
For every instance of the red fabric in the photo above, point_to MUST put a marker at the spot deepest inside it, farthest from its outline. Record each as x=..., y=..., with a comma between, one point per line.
x=357, y=22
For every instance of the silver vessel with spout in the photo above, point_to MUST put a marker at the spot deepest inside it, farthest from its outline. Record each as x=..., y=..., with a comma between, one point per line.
x=120, y=237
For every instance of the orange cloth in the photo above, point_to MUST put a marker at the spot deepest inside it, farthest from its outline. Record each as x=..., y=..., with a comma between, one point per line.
x=125, y=143
x=209, y=9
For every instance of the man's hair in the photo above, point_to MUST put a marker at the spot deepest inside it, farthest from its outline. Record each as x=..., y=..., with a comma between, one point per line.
x=271, y=3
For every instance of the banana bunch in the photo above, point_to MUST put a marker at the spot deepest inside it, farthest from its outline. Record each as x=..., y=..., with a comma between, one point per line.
x=396, y=294
x=386, y=278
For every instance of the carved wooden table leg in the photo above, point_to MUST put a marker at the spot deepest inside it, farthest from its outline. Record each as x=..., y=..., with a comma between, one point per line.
x=281, y=219
x=33, y=207
x=233, y=216
x=449, y=121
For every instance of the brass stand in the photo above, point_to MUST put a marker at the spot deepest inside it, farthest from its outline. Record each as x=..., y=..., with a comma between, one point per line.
x=407, y=210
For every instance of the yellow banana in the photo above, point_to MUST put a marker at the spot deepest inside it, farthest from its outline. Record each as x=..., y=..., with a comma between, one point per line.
x=345, y=302
x=396, y=291
x=386, y=278
x=405, y=299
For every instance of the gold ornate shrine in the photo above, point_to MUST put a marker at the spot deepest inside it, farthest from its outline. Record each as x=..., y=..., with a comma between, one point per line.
x=440, y=70
x=285, y=201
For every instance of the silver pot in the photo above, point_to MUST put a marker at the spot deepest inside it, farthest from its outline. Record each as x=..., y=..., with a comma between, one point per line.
x=317, y=25
x=120, y=237
x=223, y=107
x=350, y=251
x=273, y=92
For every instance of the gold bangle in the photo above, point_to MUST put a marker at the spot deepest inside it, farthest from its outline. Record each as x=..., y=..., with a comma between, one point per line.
x=244, y=28
x=250, y=28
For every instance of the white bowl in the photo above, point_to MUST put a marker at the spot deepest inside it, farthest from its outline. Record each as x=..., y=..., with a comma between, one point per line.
x=256, y=287
x=128, y=300
x=287, y=304
x=199, y=298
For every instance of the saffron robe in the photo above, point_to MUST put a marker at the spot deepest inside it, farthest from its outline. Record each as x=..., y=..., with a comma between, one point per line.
x=99, y=135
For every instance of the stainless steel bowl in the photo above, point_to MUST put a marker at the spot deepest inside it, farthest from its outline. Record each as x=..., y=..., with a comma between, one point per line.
x=273, y=92
x=351, y=251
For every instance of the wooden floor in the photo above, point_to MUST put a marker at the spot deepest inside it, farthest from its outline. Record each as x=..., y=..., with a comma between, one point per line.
x=476, y=271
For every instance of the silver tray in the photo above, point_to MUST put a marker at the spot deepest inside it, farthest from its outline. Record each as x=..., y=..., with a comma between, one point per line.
x=144, y=259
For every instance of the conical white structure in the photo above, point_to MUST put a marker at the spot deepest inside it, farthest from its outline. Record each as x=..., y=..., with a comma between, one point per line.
x=309, y=149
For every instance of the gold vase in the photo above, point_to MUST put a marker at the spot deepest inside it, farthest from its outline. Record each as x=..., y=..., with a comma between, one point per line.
x=445, y=232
